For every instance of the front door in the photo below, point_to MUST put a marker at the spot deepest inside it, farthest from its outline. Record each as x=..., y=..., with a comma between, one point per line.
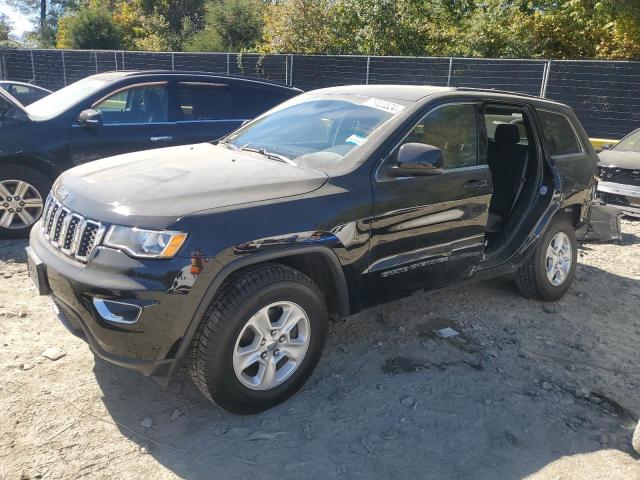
x=133, y=118
x=430, y=230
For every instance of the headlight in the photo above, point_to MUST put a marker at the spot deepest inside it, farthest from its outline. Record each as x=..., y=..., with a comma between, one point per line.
x=145, y=243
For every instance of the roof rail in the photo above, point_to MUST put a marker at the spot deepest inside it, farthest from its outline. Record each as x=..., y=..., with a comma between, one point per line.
x=508, y=92
x=133, y=73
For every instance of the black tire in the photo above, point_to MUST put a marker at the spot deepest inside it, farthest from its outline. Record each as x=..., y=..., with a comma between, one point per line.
x=210, y=357
x=39, y=181
x=531, y=277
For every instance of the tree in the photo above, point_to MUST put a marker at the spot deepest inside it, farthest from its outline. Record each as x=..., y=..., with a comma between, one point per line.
x=157, y=25
x=496, y=29
x=587, y=29
x=375, y=27
x=89, y=28
x=394, y=27
x=299, y=26
x=47, y=14
x=229, y=25
x=5, y=27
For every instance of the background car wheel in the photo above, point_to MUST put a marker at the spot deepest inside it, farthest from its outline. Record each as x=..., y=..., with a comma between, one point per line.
x=549, y=271
x=635, y=440
x=23, y=192
x=260, y=338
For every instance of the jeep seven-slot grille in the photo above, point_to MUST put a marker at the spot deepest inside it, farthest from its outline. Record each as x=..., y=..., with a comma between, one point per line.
x=70, y=232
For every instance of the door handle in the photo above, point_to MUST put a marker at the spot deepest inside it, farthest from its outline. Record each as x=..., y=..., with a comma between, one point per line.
x=476, y=183
x=161, y=138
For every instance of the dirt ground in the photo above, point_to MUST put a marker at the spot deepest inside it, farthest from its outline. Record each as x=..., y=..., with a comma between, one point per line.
x=527, y=391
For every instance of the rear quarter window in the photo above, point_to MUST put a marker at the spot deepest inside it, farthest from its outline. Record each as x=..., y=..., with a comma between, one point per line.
x=253, y=101
x=202, y=101
x=560, y=135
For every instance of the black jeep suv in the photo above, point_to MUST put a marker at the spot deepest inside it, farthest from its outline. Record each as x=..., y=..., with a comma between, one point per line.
x=231, y=257
x=110, y=114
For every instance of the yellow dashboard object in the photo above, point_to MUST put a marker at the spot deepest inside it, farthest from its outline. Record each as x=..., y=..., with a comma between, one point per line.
x=599, y=142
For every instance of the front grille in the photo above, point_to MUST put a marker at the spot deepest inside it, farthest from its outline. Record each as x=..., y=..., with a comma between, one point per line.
x=70, y=232
x=624, y=176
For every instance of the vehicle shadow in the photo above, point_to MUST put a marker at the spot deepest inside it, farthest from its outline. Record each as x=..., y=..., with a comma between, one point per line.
x=526, y=385
x=13, y=251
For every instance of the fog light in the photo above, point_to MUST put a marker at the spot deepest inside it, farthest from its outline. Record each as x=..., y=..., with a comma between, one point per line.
x=117, y=312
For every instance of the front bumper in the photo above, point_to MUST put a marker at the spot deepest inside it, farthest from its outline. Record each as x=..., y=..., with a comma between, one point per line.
x=149, y=343
x=622, y=196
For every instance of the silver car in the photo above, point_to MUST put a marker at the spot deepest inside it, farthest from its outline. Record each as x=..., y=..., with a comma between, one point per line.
x=619, y=169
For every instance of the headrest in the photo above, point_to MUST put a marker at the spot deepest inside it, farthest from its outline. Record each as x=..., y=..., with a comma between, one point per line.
x=507, y=134
x=151, y=97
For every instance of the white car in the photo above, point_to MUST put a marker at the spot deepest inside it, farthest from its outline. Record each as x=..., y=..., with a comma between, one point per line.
x=619, y=170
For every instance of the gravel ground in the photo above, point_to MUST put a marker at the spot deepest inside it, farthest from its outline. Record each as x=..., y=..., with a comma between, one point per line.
x=527, y=391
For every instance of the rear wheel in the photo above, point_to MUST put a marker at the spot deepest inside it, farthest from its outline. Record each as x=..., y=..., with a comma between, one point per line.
x=260, y=338
x=22, y=194
x=549, y=272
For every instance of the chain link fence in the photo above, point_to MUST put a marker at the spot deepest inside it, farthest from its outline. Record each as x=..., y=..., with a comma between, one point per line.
x=604, y=94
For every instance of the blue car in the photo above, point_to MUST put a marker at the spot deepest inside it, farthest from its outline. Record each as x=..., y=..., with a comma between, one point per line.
x=110, y=114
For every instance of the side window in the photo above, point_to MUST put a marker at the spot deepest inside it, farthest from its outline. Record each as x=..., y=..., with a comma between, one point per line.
x=143, y=104
x=251, y=101
x=454, y=130
x=22, y=90
x=201, y=101
x=494, y=118
x=560, y=136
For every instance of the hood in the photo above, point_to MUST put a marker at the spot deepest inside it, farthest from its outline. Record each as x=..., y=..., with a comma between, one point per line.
x=153, y=188
x=616, y=158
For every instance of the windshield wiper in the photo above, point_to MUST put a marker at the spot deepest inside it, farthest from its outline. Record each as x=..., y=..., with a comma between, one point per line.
x=271, y=155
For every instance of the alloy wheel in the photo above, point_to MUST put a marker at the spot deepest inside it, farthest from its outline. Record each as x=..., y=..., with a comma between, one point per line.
x=558, y=259
x=271, y=346
x=20, y=204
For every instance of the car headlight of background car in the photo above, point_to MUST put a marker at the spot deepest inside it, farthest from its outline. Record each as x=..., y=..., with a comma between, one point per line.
x=142, y=243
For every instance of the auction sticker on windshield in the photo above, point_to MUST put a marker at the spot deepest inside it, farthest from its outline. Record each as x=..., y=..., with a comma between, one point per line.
x=384, y=105
x=356, y=140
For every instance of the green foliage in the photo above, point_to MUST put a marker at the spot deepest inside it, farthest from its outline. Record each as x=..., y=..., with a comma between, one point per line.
x=89, y=28
x=166, y=24
x=10, y=44
x=299, y=26
x=46, y=14
x=231, y=25
x=483, y=28
x=402, y=27
x=496, y=30
x=5, y=27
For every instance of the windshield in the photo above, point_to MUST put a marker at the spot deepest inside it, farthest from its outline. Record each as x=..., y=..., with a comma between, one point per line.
x=629, y=144
x=321, y=129
x=58, y=101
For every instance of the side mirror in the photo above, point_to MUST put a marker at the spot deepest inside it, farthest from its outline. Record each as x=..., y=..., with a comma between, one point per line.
x=90, y=118
x=416, y=160
x=606, y=146
x=14, y=115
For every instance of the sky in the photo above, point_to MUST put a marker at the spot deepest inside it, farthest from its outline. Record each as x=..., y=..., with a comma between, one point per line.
x=20, y=22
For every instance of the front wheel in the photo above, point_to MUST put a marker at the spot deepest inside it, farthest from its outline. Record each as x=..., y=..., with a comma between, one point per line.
x=22, y=194
x=260, y=338
x=549, y=271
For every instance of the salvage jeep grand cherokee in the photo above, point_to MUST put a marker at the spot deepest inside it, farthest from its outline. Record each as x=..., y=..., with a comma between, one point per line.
x=232, y=257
